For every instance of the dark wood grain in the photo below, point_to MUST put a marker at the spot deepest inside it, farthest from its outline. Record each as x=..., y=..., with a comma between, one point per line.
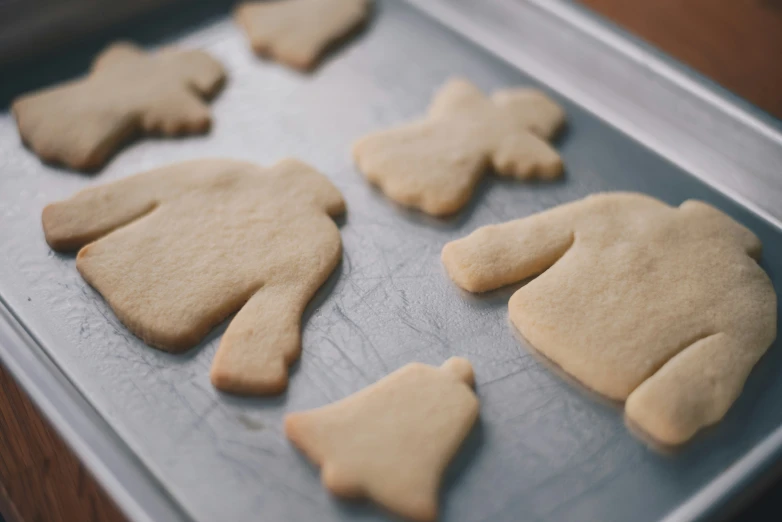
x=737, y=43
x=41, y=480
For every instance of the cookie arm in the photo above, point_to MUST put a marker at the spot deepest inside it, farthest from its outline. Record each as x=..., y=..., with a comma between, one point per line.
x=498, y=255
x=90, y=214
x=694, y=389
x=264, y=338
x=260, y=343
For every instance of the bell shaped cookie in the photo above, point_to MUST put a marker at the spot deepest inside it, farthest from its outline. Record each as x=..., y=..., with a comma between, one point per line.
x=664, y=308
x=82, y=122
x=434, y=164
x=298, y=32
x=392, y=441
x=177, y=250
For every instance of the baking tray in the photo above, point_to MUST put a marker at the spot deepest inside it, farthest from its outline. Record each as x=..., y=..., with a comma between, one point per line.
x=167, y=446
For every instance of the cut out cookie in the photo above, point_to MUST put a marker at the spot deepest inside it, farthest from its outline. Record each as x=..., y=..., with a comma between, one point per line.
x=176, y=250
x=81, y=123
x=392, y=441
x=435, y=163
x=297, y=32
x=663, y=307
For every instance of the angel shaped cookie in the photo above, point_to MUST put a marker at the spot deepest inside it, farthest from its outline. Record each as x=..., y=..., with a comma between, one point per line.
x=82, y=122
x=392, y=441
x=664, y=308
x=298, y=32
x=434, y=164
x=176, y=250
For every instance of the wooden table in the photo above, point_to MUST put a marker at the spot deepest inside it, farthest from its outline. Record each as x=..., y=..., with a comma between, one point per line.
x=738, y=43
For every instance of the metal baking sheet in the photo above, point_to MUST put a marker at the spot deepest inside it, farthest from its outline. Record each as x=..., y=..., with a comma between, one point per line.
x=169, y=447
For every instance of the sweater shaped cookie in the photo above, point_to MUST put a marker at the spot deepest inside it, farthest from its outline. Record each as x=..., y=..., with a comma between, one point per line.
x=298, y=32
x=81, y=123
x=663, y=307
x=435, y=163
x=176, y=250
x=392, y=441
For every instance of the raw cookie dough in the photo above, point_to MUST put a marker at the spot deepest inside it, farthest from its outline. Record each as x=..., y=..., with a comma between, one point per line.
x=663, y=307
x=82, y=122
x=392, y=441
x=434, y=164
x=176, y=250
x=297, y=32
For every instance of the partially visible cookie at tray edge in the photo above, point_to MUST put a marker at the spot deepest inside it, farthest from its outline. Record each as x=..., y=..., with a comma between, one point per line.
x=81, y=123
x=176, y=250
x=298, y=32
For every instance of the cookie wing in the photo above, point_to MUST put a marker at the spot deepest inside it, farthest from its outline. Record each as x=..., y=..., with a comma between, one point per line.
x=524, y=155
x=60, y=126
x=182, y=80
x=196, y=69
x=532, y=110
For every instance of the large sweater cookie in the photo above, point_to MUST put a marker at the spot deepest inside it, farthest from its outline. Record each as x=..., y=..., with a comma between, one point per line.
x=392, y=441
x=82, y=122
x=176, y=250
x=434, y=164
x=298, y=32
x=663, y=307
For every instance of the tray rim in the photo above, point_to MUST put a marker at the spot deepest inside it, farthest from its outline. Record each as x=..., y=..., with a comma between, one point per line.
x=138, y=493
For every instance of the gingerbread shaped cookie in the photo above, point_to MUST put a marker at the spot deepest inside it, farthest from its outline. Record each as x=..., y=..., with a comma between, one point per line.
x=176, y=250
x=392, y=441
x=435, y=163
x=663, y=307
x=297, y=32
x=82, y=122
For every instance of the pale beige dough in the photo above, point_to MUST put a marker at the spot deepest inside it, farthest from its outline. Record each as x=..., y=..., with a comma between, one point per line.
x=298, y=32
x=176, y=250
x=434, y=164
x=82, y=122
x=392, y=441
x=663, y=307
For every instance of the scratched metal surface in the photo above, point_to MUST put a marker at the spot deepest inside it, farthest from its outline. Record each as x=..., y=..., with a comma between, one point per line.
x=543, y=449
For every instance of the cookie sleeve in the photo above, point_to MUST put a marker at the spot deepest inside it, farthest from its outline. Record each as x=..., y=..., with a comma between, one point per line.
x=694, y=389
x=498, y=255
x=92, y=213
